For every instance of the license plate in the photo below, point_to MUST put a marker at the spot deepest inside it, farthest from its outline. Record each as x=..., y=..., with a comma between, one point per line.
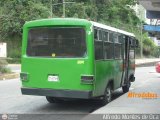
x=52, y=78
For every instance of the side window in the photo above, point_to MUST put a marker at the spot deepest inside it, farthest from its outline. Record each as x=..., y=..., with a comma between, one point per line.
x=108, y=50
x=118, y=51
x=120, y=39
x=98, y=44
x=111, y=37
x=95, y=34
x=131, y=54
x=117, y=46
x=132, y=47
x=105, y=36
x=132, y=42
x=100, y=35
x=108, y=46
x=115, y=38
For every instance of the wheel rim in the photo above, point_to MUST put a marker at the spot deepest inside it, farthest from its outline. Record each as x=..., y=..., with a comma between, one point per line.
x=108, y=94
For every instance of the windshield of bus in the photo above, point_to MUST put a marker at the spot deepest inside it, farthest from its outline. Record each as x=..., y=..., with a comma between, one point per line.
x=56, y=42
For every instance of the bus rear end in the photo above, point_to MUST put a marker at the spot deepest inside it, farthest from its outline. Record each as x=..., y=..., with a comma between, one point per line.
x=55, y=59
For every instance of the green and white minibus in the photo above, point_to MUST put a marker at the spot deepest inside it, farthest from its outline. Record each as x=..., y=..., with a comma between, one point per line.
x=76, y=58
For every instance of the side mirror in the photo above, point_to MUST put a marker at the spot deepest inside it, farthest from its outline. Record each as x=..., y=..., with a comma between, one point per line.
x=136, y=43
x=132, y=42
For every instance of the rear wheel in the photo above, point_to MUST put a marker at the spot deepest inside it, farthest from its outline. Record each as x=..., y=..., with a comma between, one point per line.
x=53, y=100
x=126, y=87
x=107, y=96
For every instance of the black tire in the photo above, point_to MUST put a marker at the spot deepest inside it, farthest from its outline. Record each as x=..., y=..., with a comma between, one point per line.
x=53, y=100
x=126, y=87
x=107, y=96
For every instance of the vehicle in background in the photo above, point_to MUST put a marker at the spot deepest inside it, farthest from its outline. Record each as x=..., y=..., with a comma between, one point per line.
x=158, y=67
x=65, y=58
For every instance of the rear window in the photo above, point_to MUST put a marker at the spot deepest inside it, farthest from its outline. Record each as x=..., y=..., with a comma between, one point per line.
x=56, y=42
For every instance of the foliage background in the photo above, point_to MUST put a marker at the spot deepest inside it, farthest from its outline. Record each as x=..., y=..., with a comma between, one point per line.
x=116, y=13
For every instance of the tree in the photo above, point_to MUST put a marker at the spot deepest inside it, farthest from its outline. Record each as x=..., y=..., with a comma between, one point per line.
x=15, y=13
x=116, y=13
x=148, y=45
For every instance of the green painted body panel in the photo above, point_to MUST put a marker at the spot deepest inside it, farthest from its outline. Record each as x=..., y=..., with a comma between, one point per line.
x=106, y=71
x=68, y=69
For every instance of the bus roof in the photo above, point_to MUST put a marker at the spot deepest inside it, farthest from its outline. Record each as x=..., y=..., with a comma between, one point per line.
x=58, y=22
x=112, y=29
x=73, y=21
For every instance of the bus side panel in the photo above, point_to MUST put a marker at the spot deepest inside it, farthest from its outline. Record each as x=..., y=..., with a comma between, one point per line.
x=104, y=71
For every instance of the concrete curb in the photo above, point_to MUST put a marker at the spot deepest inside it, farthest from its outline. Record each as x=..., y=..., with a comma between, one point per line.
x=146, y=64
x=9, y=76
x=19, y=65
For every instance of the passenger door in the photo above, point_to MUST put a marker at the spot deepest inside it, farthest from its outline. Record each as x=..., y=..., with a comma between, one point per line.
x=125, y=65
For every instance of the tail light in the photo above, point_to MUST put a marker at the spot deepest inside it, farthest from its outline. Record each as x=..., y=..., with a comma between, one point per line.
x=87, y=79
x=24, y=76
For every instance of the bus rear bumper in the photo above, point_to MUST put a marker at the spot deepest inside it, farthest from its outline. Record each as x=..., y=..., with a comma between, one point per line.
x=57, y=93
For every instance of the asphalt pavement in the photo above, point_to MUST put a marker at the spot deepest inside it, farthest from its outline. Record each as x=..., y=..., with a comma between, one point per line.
x=147, y=80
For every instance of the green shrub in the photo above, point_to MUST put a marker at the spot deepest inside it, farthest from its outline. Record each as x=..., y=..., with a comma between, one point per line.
x=15, y=53
x=3, y=68
x=156, y=52
x=14, y=46
x=3, y=63
x=14, y=60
